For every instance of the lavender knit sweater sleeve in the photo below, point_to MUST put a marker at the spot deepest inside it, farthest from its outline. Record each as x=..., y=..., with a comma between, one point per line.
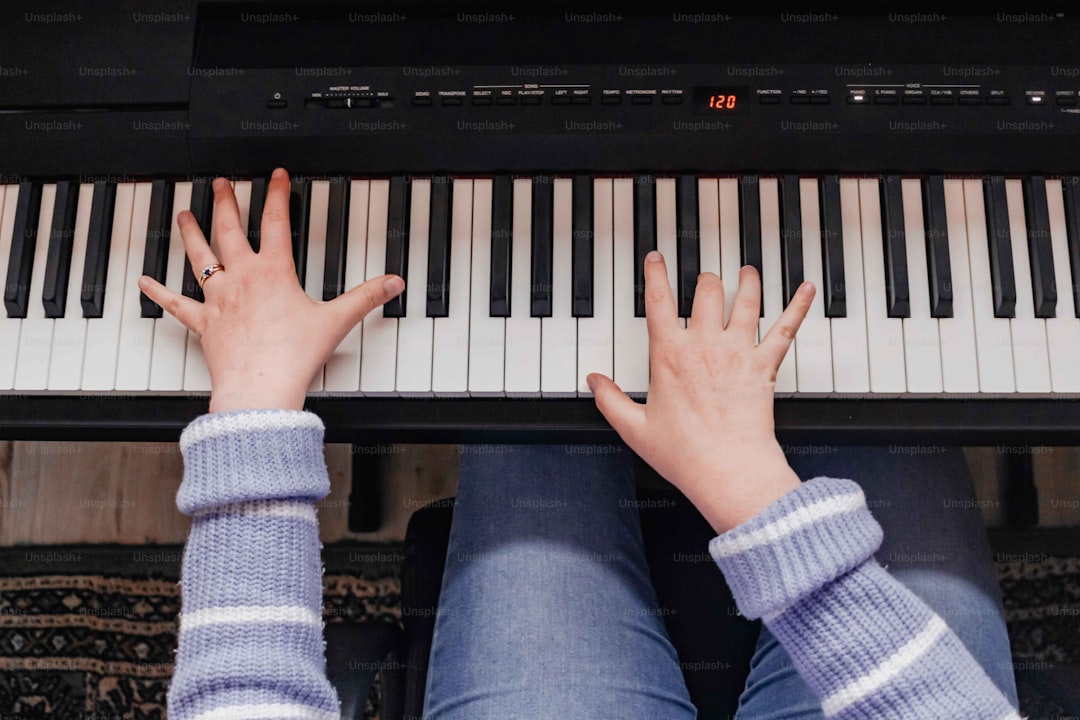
x=868, y=646
x=251, y=642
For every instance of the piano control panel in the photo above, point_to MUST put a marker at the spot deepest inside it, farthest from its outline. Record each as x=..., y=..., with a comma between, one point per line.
x=864, y=98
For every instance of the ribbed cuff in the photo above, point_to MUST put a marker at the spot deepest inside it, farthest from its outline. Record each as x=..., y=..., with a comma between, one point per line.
x=807, y=538
x=252, y=455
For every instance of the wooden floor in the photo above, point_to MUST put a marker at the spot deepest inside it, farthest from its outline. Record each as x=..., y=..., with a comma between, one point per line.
x=64, y=492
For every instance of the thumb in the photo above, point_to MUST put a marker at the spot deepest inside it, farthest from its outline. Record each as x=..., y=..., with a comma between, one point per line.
x=623, y=414
x=353, y=306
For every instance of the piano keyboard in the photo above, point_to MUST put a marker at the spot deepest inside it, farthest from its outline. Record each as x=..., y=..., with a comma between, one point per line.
x=521, y=286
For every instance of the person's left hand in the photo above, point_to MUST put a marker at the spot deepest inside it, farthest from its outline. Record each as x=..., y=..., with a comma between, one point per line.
x=262, y=336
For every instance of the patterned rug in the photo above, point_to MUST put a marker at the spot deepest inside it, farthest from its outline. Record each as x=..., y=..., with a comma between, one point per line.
x=88, y=633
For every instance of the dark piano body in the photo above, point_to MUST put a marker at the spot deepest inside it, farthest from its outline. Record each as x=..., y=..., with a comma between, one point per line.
x=180, y=90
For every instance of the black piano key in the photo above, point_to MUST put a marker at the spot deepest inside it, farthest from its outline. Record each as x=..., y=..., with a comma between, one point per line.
x=300, y=218
x=832, y=247
x=397, y=241
x=438, y=284
x=583, y=247
x=1070, y=187
x=502, y=231
x=98, y=246
x=688, y=241
x=255, y=211
x=543, y=198
x=337, y=230
x=938, y=264
x=1000, y=239
x=897, y=298
x=158, y=231
x=791, y=263
x=644, y=235
x=202, y=207
x=750, y=225
x=1040, y=250
x=61, y=240
x=23, y=247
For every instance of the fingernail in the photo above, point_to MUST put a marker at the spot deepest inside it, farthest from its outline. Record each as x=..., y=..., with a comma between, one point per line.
x=653, y=256
x=591, y=382
x=278, y=173
x=218, y=183
x=392, y=286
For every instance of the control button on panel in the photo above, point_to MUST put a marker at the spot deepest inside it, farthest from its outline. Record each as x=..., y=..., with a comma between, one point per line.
x=481, y=100
x=641, y=99
x=611, y=99
x=997, y=100
x=506, y=100
x=970, y=100
x=531, y=99
x=820, y=99
x=452, y=100
x=886, y=100
x=1066, y=100
x=422, y=101
x=581, y=100
x=914, y=100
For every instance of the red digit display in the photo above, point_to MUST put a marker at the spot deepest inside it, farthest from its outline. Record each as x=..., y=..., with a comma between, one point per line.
x=714, y=100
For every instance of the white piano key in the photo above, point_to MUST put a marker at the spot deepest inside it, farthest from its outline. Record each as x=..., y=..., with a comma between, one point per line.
x=170, y=345
x=9, y=327
x=416, y=330
x=631, y=333
x=709, y=224
x=1063, y=330
x=667, y=231
x=449, y=372
x=316, y=260
x=885, y=335
x=69, y=332
x=596, y=334
x=558, y=333
x=959, y=362
x=35, y=334
x=487, y=335
x=242, y=190
x=850, y=352
x=133, y=353
x=922, y=343
x=522, y=330
x=772, y=281
x=993, y=338
x=450, y=356
x=813, y=342
x=343, y=367
x=1031, y=360
x=730, y=254
x=378, y=359
x=103, y=334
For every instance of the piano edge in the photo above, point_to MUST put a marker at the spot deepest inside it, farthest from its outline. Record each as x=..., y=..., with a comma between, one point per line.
x=919, y=424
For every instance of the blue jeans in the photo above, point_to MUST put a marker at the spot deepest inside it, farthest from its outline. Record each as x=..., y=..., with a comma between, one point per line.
x=547, y=609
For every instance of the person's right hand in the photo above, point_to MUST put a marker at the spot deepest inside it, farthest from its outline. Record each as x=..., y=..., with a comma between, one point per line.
x=707, y=425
